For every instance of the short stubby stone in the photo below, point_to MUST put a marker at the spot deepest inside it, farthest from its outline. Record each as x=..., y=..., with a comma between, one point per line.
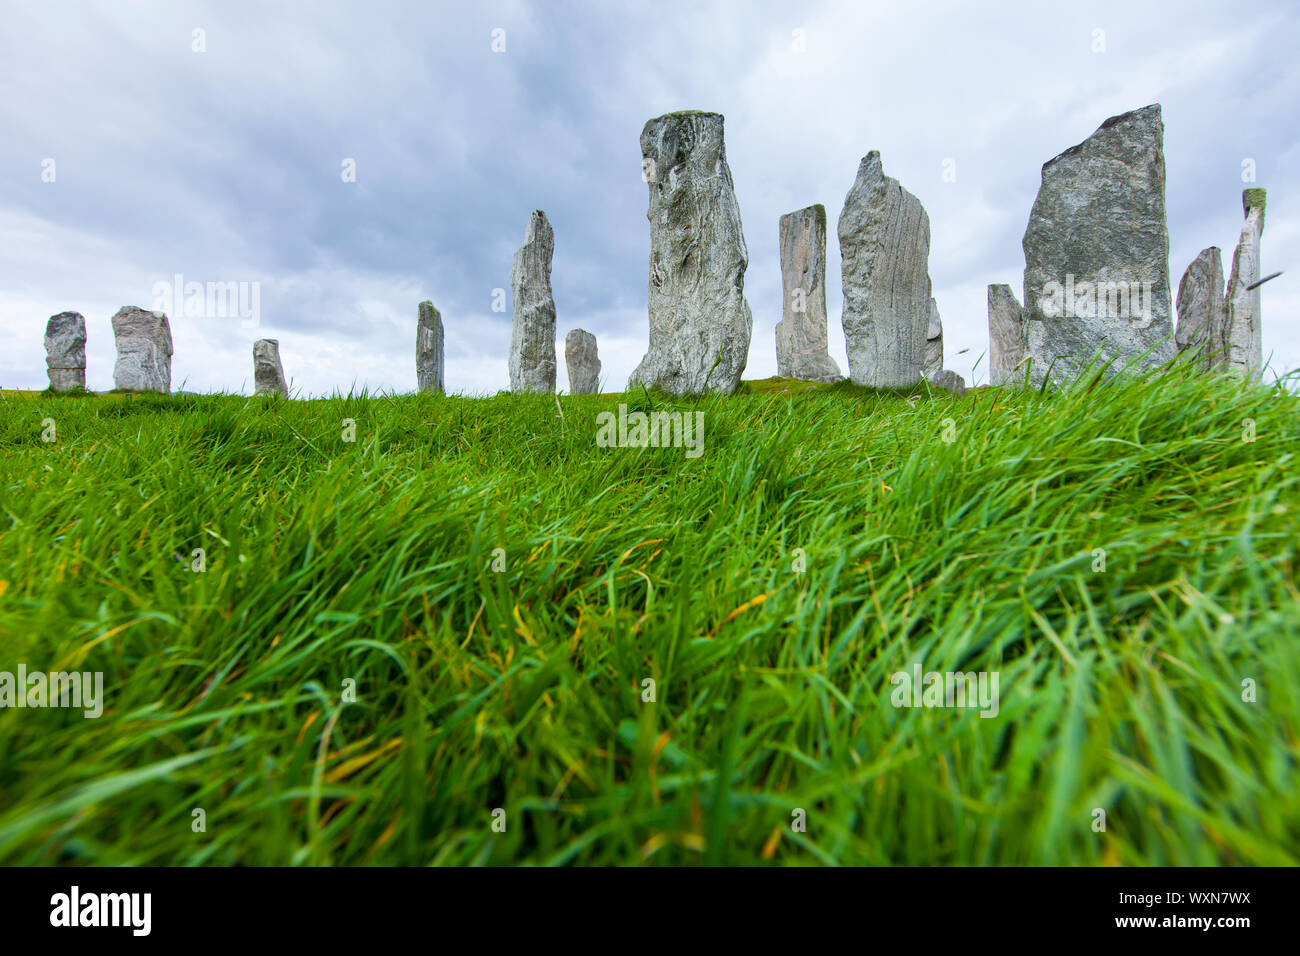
x=885, y=247
x=582, y=362
x=700, y=323
x=429, y=349
x=933, y=343
x=949, y=381
x=65, y=351
x=268, y=373
x=1005, y=335
x=1097, y=254
x=801, y=343
x=144, y=350
x=1200, y=303
x=532, y=335
x=1237, y=337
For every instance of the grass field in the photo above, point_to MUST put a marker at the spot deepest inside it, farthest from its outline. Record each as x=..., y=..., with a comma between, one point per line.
x=365, y=569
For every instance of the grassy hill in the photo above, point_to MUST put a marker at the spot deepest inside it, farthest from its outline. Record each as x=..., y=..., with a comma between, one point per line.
x=349, y=680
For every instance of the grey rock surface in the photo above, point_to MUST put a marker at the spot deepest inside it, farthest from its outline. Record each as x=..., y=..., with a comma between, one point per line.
x=801, y=343
x=1200, y=305
x=885, y=246
x=1239, y=335
x=933, y=343
x=144, y=350
x=532, y=335
x=1097, y=253
x=1005, y=335
x=582, y=362
x=949, y=381
x=268, y=373
x=429, y=349
x=700, y=323
x=65, y=351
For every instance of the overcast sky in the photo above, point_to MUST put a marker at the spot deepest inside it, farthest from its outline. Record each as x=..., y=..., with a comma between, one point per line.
x=220, y=156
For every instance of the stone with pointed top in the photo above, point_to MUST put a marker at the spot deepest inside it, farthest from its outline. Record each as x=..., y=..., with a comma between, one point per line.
x=429, y=349
x=144, y=350
x=532, y=335
x=582, y=362
x=1200, y=304
x=65, y=351
x=801, y=343
x=1005, y=320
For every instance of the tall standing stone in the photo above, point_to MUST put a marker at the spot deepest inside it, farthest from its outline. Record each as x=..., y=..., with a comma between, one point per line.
x=1238, y=336
x=1005, y=336
x=582, y=361
x=65, y=351
x=268, y=373
x=700, y=323
x=144, y=350
x=933, y=343
x=1097, y=252
x=429, y=349
x=801, y=343
x=532, y=336
x=885, y=245
x=1200, y=304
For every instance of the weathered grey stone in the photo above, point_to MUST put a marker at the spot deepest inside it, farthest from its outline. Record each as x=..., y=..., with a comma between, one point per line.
x=1005, y=335
x=1238, y=337
x=532, y=336
x=949, y=381
x=582, y=361
x=1097, y=253
x=700, y=323
x=933, y=343
x=885, y=245
x=1200, y=304
x=65, y=351
x=429, y=349
x=268, y=373
x=144, y=350
x=801, y=343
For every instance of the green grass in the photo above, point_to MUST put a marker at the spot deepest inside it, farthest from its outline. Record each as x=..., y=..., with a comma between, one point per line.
x=370, y=561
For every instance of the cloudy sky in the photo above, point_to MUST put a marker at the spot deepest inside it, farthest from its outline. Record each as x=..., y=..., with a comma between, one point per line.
x=147, y=140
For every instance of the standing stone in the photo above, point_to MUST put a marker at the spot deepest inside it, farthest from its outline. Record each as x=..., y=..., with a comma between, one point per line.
x=949, y=381
x=1005, y=336
x=268, y=373
x=532, y=337
x=700, y=323
x=1239, y=334
x=801, y=344
x=1097, y=252
x=933, y=343
x=144, y=350
x=885, y=245
x=583, y=363
x=65, y=351
x=429, y=349
x=1200, y=304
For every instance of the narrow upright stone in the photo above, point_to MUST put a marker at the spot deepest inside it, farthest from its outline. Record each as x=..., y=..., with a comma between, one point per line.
x=801, y=343
x=1097, y=253
x=582, y=362
x=65, y=351
x=933, y=343
x=532, y=336
x=1200, y=305
x=144, y=350
x=1005, y=335
x=429, y=349
x=885, y=245
x=268, y=373
x=700, y=323
x=1239, y=335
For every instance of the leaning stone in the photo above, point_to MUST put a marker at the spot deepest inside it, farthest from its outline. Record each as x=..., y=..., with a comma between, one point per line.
x=949, y=381
x=700, y=323
x=582, y=362
x=1097, y=253
x=801, y=343
x=1200, y=303
x=1005, y=321
x=429, y=349
x=268, y=373
x=532, y=336
x=65, y=351
x=885, y=245
x=933, y=343
x=1238, y=335
x=144, y=350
